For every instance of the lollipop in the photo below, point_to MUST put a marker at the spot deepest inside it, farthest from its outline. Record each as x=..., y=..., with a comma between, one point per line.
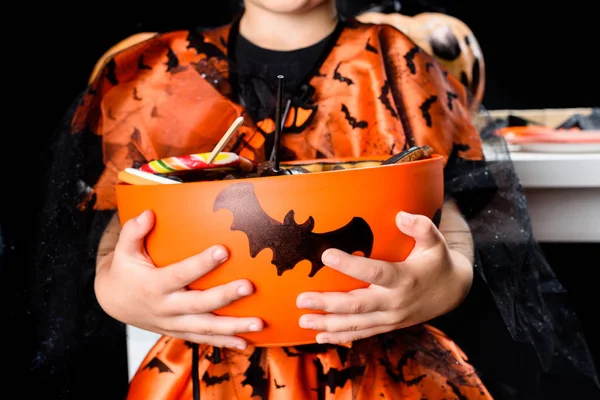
x=216, y=160
x=223, y=160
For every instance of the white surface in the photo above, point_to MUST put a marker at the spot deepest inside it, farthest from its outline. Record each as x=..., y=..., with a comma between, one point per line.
x=560, y=147
x=139, y=343
x=563, y=193
x=556, y=170
x=565, y=215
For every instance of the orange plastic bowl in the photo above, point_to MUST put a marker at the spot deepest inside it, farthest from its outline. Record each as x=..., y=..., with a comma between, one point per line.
x=276, y=229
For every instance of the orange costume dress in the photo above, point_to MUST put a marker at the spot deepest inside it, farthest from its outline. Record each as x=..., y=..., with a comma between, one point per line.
x=372, y=92
x=375, y=92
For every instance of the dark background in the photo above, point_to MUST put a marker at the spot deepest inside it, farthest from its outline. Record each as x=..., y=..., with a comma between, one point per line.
x=538, y=55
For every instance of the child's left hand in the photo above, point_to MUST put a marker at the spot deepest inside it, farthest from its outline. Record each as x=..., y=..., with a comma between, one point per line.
x=432, y=281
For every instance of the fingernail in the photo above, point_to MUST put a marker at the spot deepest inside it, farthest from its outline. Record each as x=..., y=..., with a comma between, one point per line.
x=142, y=217
x=307, y=324
x=254, y=328
x=322, y=339
x=406, y=218
x=243, y=291
x=240, y=346
x=219, y=254
x=306, y=303
x=330, y=258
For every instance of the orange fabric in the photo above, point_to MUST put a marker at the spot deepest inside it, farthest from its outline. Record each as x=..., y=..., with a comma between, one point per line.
x=375, y=94
x=145, y=103
x=413, y=364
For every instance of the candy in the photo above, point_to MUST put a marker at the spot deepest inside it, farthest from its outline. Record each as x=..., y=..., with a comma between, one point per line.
x=413, y=154
x=136, y=177
x=194, y=162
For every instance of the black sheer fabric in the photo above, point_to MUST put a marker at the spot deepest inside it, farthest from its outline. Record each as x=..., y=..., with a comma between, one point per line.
x=516, y=325
x=73, y=335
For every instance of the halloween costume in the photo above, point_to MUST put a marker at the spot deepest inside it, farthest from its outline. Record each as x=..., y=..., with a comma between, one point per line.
x=371, y=91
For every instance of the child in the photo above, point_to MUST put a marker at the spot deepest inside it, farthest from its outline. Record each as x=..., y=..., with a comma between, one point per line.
x=361, y=89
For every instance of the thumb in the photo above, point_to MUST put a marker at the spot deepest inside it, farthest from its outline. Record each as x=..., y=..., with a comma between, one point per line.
x=131, y=239
x=420, y=228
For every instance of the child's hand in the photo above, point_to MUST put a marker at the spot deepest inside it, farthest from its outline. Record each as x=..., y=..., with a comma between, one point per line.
x=432, y=281
x=132, y=290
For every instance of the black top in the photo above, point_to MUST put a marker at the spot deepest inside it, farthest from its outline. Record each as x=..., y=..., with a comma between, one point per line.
x=257, y=70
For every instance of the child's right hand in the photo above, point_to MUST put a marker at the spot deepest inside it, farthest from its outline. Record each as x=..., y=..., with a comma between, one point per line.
x=132, y=290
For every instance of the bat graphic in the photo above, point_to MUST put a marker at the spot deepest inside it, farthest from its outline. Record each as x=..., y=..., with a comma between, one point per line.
x=214, y=380
x=385, y=100
x=369, y=47
x=288, y=352
x=457, y=148
x=337, y=378
x=339, y=77
x=197, y=42
x=289, y=241
x=397, y=374
x=278, y=386
x=158, y=364
x=172, y=60
x=410, y=59
x=425, y=109
x=135, y=95
x=354, y=123
x=141, y=65
x=451, y=97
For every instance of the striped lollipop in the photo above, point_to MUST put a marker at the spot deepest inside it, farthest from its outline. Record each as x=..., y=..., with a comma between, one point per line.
x=216, y=159
x=192, y=162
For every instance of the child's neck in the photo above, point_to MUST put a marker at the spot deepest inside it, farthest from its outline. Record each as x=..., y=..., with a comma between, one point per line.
x=285, y=32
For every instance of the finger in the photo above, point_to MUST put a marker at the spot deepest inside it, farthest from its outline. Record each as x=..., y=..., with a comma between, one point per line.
x=353, y=336
x=345, y=322
x=419, y=227
x=131, y=238
x=221, y=341
x=214, y=325
x=182, y=273
x=362, y=268
x=357, y=301
x=205, y=301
